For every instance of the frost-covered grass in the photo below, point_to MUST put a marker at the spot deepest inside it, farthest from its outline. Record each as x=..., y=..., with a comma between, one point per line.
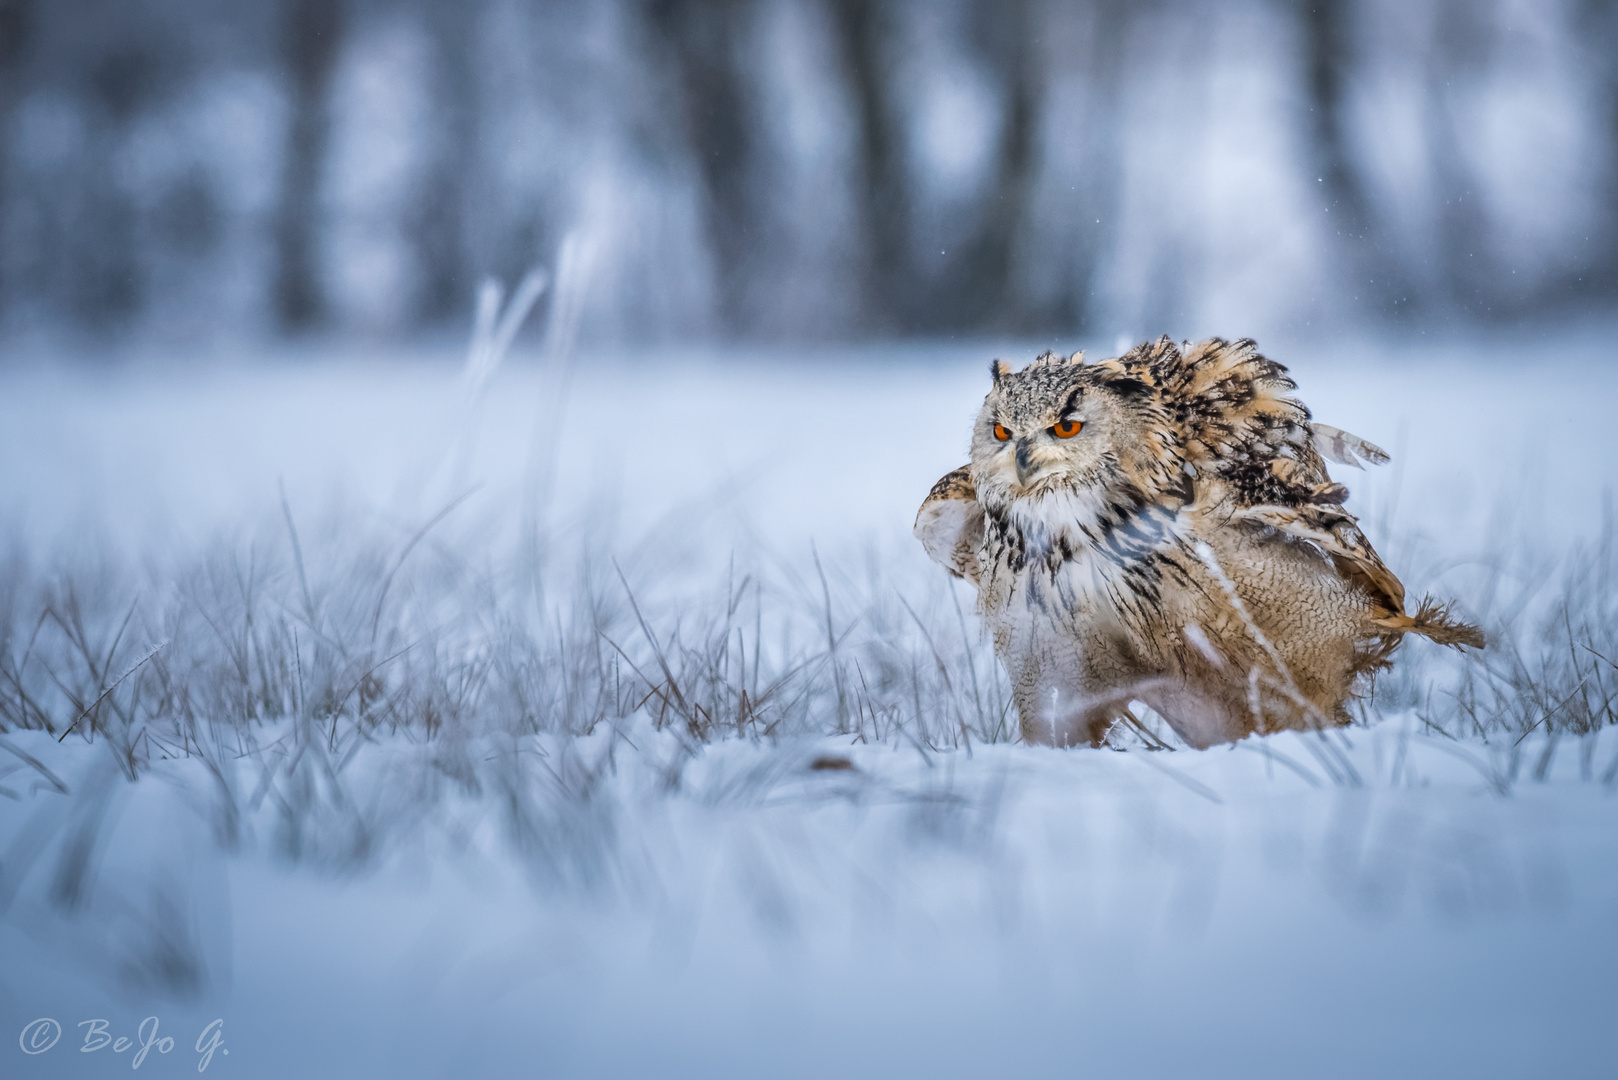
x=598, y=745
x=301, y=657
x=287, y=668
x=283, y=663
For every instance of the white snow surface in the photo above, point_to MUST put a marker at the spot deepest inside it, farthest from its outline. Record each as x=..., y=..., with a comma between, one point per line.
x=1375, y=902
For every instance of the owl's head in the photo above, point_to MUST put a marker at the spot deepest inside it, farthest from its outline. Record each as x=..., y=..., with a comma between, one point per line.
x=1061, y=425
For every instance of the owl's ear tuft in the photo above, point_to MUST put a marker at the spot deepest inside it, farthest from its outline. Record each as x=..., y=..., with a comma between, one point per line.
x=999, y=369
x=1128, y=388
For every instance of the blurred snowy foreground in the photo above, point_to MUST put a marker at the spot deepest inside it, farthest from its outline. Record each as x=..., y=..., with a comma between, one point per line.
x=608, y=722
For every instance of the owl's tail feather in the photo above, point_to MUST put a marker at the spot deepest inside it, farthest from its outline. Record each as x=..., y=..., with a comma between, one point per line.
x=1432, y=620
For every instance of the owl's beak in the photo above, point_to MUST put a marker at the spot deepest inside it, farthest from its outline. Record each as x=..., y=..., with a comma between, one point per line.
x=1027, y=468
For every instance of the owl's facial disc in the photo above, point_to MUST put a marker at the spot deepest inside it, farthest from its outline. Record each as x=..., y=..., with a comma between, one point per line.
x=1057, y=426
x=1040, y=454
x=1039, y=449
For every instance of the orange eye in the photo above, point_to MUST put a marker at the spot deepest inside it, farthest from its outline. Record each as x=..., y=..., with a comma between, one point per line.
x=1067, y=429
x=1001, y=433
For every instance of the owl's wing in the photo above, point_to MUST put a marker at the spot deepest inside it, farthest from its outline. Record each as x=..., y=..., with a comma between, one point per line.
x=950, y=524
x=1337, y=535
x=1227, y=414
x=1256, y=451
x=1337, y=445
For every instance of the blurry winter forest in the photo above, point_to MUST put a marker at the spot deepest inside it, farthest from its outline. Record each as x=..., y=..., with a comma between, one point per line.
x=787, y=168
x=596, y=714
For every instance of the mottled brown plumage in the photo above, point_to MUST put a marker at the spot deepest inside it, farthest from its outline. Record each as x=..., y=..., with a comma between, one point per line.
x=1161, y=527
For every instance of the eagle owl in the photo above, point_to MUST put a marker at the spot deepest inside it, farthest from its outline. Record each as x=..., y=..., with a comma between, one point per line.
x=1160, y=528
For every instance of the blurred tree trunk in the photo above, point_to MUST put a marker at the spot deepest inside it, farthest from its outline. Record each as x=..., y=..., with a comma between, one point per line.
x=440, y=228
x=706, y=40
x=983, y=291
x=1459, y=51
x=1109, y=29
x=16, y=22
x=109, y=259
x=863, y=30
x=1596, y=22
x=1373, y=275
x=311, y=40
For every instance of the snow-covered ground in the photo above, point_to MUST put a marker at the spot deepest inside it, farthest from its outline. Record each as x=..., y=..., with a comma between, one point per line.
x=1388, y=901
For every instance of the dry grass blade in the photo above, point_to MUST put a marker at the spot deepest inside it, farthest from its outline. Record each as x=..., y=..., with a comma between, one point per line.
x=88, y=709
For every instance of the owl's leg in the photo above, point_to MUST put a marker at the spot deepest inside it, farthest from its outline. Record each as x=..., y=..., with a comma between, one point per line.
x=1128, y=724
x=1102, y=721
x=1202, y=713
x=1056, y=715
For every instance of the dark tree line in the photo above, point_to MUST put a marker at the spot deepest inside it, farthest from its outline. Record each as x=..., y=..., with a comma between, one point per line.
x=1075, y=197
